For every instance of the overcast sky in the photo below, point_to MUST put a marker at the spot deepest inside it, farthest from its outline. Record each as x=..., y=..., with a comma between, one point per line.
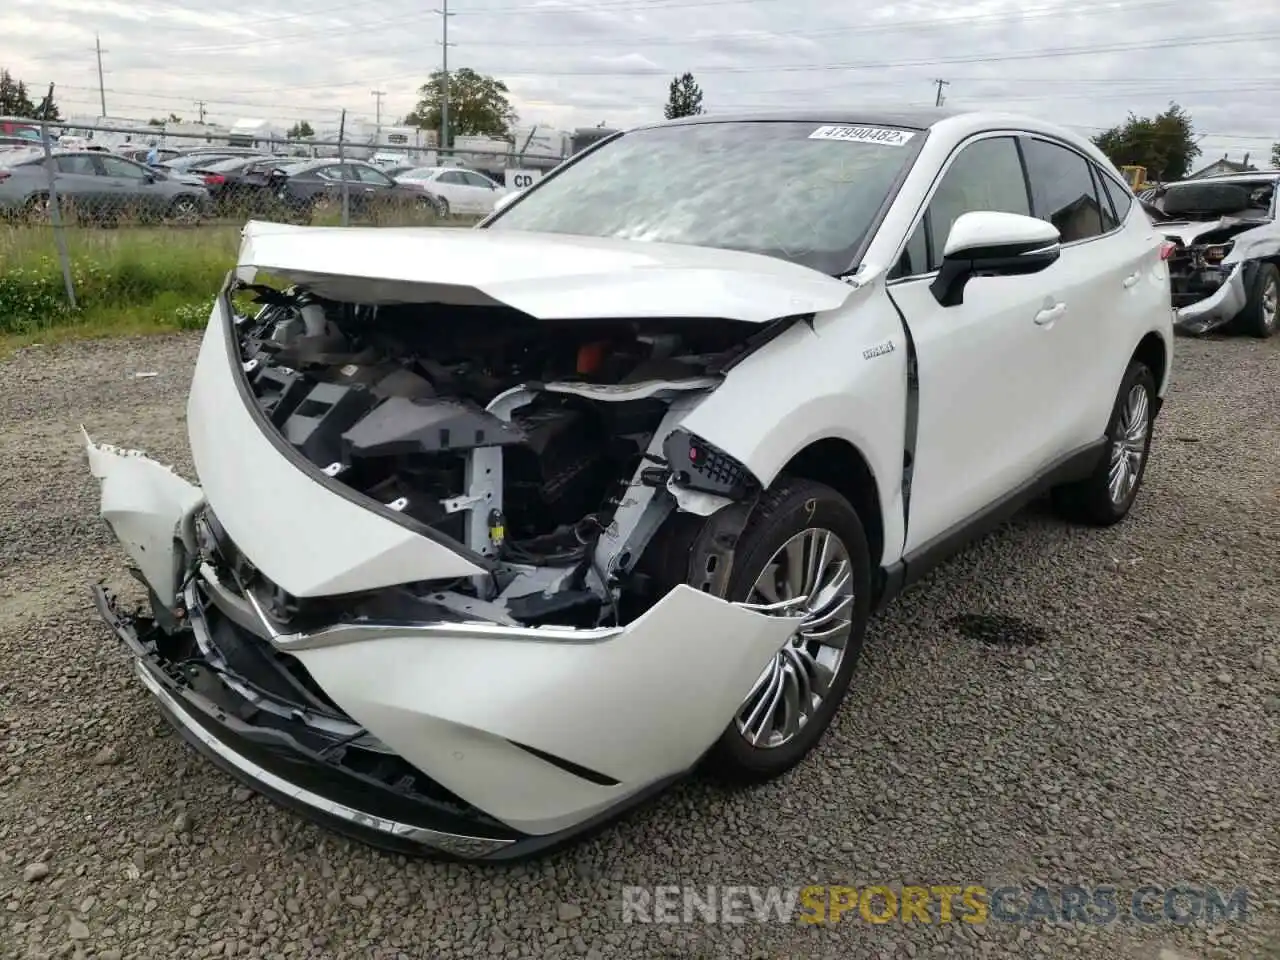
x=573, y=63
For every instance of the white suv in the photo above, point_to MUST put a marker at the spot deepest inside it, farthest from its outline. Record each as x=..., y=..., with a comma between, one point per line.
x=499, y=531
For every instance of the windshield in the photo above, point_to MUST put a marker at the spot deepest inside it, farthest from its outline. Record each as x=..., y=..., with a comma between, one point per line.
x=804, y=192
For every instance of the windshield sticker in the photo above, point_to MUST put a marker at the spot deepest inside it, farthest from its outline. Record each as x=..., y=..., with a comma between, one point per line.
x=881, y=135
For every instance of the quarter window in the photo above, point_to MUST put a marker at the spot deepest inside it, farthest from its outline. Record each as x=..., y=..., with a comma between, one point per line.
x=1121, y=199
x=1105, y=209
x=1062, y=190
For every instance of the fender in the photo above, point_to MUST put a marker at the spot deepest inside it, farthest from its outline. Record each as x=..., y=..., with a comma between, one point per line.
x=789, y=394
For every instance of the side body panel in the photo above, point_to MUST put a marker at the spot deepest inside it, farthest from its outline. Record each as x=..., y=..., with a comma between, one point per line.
x=844, y=376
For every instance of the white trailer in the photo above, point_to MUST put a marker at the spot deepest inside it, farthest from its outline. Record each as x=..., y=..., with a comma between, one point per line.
x=255, y=135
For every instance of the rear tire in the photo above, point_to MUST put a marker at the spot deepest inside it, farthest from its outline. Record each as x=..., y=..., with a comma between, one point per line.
x=1261, y=316
x=1106, y=495
x=800, y=531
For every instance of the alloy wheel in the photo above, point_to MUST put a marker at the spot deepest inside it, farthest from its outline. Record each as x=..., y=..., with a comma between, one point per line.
x=1130, y=444
x=813, y=564
x=184, y=212
x=1271, y=305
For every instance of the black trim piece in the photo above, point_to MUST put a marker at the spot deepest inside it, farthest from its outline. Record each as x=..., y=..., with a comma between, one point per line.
x=913, y=414
x=770, y=332
x=1026, y=174
x=308, y=468
x=903, y=573
x=568, y=766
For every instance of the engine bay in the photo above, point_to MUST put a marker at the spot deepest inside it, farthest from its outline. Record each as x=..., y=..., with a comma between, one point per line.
x=541, y=447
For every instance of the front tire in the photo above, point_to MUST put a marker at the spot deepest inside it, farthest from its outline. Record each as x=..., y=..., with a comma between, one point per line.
x=803, y=539
x=1105, y=497
x=1261, y=316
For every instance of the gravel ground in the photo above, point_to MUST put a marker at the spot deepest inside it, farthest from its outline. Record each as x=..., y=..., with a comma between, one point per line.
x=1123, y=731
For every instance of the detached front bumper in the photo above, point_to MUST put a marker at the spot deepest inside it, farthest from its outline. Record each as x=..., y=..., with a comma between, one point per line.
x=462, y=738
x=1218, y=308
x=296, y=768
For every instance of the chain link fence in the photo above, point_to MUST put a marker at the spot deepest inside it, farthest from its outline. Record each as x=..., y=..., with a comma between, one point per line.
x=135, y=202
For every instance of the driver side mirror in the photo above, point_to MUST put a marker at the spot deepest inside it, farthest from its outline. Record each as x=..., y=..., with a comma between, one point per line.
x=985, y=243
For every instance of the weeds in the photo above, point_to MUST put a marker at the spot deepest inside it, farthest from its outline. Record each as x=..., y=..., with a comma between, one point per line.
x=143, y=276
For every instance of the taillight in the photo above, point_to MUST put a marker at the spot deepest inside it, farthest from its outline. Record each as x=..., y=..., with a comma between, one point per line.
x=213, y=179
x=1167, y=249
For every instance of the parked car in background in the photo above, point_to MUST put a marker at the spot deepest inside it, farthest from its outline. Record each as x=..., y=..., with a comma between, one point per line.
x=190, y=161
x=457, y=190
x=1225, y=265
x=501, y=531
x=96, y=187
x=240, y=185
x=138, y=153
x=316, y=185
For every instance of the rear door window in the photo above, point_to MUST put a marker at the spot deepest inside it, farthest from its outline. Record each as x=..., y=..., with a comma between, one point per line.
x=1062, y=190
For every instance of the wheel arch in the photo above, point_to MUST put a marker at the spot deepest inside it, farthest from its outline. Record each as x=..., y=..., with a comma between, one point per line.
x=1154, y=353
x=840, y=465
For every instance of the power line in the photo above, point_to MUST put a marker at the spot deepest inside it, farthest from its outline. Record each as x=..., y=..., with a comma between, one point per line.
x=1154, y=86
x=1043, y=54
x=937, y=101
x=980, y=19
x=344, y=31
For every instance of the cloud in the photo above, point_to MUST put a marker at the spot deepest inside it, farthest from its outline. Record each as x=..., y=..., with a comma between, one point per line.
x=1086, y=63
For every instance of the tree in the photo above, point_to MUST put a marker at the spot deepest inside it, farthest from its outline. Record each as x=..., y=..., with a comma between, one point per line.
x=1275, y=155
x=684, y=98
x=16, y=102
x=1165, y=144
x=478, y=106
x=300, y=130
x=173, y=118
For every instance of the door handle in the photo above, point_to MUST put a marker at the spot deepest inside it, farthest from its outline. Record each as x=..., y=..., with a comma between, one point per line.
x=1050, y=314
x=1132, y=280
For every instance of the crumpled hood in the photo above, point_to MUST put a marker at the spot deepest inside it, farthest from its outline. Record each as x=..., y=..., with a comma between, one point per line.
x=547, y=276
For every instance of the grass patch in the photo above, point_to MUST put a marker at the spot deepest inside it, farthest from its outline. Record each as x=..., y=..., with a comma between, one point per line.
x=132, y=279
x=128, y=280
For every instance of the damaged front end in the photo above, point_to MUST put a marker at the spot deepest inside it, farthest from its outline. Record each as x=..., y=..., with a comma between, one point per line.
x=424, y=592
x=1219, y=233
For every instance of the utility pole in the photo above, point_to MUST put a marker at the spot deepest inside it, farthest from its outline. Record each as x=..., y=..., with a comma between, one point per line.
x=938, y=100
x=200, y=107
x=102, y=90
x=378, y=95
x=444, y=89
